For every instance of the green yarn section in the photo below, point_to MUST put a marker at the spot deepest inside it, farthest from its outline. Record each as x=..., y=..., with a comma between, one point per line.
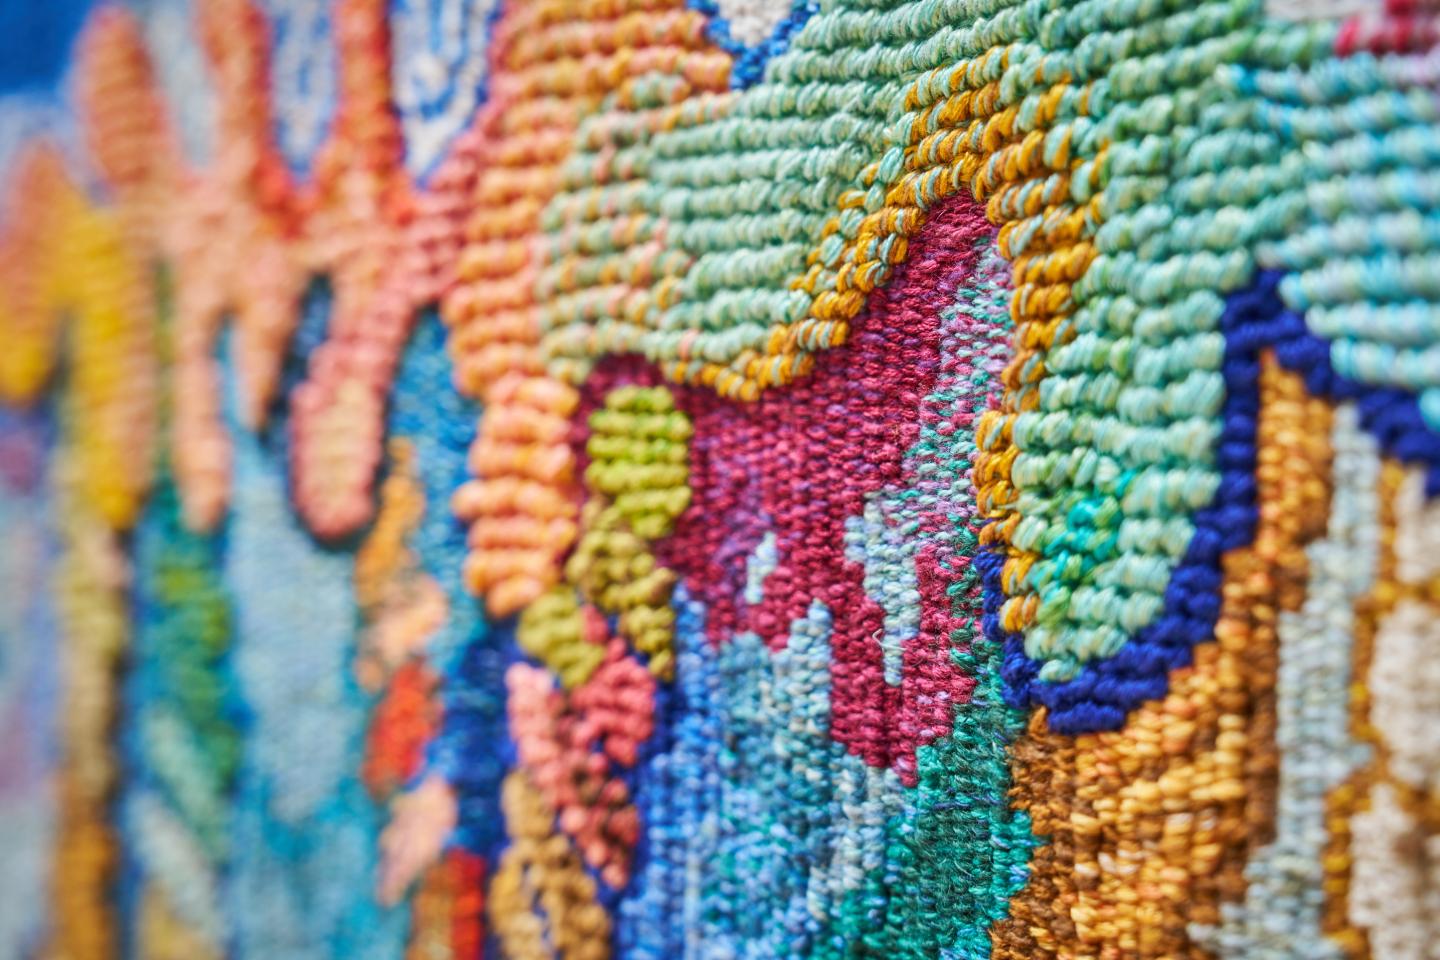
x=185, y=722
x=1119, y=452
x=965, y=853
x=185, y=741
x=182, y=718
x=959, y=852
x=684, y=220
x=686, y=223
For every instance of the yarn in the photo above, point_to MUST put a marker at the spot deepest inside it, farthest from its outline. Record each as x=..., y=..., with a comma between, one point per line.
x=186, y=728
x=297, y=824
x=567, y=745
x=94, y=632
x=1193, y=770
x=1386, y=900
x=449, y=911
x=1324, y=10
x=753, y=31
x=29, y=652
x=566, y=637
x=438, y=708
x=812, y=500
x=721, y=478
x=185, y=83
x=1285, y=879
x=164, y=936
x=77, y=264
x=438, y=72
x=540, y=895
x=303, y=76
x=637, y=475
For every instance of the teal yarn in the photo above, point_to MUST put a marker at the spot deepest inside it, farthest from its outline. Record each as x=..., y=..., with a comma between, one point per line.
x=185, y=717
x=182, y=649
x=1362, y=132
x=297, y=825
x=1119, y=455
x=1119, y=451
x=852, y=863
x=960, y=852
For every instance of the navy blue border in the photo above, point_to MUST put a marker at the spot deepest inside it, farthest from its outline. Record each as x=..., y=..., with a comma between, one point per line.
x=1256, y=319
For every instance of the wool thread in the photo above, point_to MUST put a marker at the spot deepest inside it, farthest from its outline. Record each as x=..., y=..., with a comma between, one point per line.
x=721, y=478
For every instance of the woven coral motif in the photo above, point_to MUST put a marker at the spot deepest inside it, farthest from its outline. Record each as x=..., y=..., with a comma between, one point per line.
x=732, y=478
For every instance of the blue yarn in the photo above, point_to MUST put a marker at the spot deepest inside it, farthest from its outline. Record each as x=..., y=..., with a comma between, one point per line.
x=662, y=784
x=749, y=61
x=315, y=85
x=294, y=827
x=1103, y=693
x=31, y=652
x=773, y=829
x=35, y=41
x=472, y=750
x=433, y=108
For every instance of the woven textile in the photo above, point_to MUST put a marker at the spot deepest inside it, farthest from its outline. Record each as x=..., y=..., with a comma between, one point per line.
x=720, y=479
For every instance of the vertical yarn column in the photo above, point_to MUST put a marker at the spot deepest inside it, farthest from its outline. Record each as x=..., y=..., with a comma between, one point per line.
x=555, y=64
x=1135, y=874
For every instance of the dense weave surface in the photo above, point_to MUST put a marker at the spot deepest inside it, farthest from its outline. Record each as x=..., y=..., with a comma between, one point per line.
x=926, y=479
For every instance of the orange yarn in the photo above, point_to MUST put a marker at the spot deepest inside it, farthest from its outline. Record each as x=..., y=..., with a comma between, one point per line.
x=1150, y=826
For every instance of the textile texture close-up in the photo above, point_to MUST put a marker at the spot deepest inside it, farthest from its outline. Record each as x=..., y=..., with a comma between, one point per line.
x=719, y=479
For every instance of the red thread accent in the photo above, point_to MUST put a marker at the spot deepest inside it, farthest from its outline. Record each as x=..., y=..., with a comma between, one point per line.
x=1405, y=27
x=467, y=929
x=404, y=722
x=802, y=460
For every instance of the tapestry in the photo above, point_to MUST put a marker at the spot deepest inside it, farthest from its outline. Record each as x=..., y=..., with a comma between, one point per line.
x=720, y=479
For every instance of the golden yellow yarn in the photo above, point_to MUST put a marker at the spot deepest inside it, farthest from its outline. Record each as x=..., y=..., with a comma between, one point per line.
x=542, y=903
x=163, y=935
x=79, y=270
x=90, y=590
